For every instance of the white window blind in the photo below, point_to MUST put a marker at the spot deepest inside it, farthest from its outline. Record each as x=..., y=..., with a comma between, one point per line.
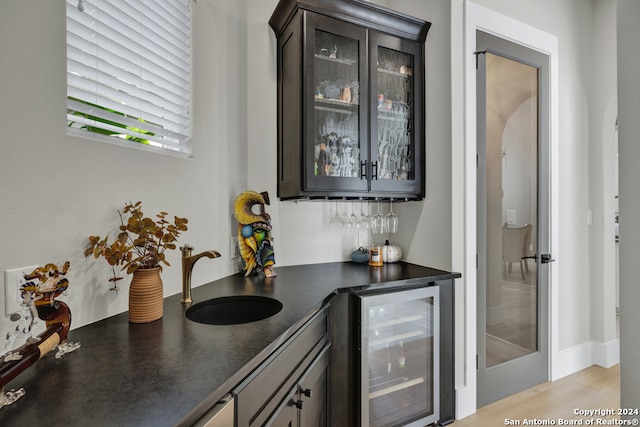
x=129, y=71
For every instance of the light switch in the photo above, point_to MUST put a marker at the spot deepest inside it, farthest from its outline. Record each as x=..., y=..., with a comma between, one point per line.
x=511, y=217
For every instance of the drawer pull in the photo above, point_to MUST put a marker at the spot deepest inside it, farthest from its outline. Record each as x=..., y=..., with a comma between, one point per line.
x=298, y=404
x=307, y=392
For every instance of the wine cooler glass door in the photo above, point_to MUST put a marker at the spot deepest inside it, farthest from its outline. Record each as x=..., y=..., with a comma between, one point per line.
x=400, y=358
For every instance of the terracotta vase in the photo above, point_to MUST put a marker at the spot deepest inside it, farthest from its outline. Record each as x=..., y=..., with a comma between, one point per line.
x=145, y=296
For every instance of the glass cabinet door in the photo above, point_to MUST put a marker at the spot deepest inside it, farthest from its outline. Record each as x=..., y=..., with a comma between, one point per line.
x=335, y=136
x=396, y=78
x=400, y=358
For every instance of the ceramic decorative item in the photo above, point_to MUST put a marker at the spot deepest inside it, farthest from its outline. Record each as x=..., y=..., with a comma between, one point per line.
x=145, y=296
x=391, y=252
x=254, y=233
x=140, y=246
x=360, y=255
x=38, y=294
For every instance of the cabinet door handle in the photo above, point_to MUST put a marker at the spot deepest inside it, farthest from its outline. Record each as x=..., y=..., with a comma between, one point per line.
x=374, y=170
x=307, y=392
x=363, y=169
x=298, y=404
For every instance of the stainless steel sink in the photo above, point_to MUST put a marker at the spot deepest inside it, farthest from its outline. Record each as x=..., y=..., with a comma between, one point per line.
x=233, y=310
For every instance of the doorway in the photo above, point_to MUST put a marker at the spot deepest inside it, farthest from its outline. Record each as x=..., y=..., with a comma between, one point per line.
x=512, y=217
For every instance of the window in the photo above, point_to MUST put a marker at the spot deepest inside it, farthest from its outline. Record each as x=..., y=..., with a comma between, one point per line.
x=129, y=72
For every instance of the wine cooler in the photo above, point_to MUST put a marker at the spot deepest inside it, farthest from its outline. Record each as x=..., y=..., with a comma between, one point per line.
x=399, y=357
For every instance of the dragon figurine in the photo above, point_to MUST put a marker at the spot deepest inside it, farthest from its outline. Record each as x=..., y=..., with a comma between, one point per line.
x=39, y=293
x=254, y=233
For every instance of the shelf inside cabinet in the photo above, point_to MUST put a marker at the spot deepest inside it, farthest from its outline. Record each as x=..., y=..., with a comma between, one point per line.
x=395, y=73
x=336, y=60
x=395, y=337
x=335, y=106
x=395, y=385
x=390, y=115
x=396, y=321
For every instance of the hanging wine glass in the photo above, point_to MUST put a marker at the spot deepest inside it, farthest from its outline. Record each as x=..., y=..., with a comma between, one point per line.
x=377, y=222
x=353, y=219
x=364, y=217
x=391, y=220
x=344, y=218
x=335, y=216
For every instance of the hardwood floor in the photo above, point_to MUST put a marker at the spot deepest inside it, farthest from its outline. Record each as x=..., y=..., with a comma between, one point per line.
x=594, y=388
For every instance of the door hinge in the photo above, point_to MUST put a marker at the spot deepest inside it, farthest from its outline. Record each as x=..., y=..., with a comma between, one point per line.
x=477, y=54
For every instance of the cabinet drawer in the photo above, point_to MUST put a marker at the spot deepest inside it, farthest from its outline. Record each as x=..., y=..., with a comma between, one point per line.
x=260, y=393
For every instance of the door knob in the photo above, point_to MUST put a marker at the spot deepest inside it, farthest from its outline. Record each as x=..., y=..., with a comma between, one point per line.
x=546, y=258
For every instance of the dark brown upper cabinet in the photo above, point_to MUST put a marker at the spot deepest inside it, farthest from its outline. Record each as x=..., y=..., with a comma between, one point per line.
x=351, y=101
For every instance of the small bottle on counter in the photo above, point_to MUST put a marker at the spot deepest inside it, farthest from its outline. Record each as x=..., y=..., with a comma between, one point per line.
x=375, y=256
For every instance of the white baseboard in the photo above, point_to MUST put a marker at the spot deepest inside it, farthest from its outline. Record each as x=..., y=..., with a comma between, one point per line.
x=465, y=402
x=582, y=356
x=606, y=354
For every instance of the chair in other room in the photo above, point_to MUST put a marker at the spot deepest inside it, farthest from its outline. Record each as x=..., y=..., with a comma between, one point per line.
x=515, y=245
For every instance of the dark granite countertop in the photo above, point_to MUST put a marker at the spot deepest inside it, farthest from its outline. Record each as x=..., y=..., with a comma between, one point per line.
x=169, y=372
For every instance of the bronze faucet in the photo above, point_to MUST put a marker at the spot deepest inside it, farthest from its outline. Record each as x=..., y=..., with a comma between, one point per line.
x=188, y=261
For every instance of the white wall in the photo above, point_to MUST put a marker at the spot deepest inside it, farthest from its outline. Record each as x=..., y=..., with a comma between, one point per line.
x=603, y=113
x=425, y=227
x=57, y=189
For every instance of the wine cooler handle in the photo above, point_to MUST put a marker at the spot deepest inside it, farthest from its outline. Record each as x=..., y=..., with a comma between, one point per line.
x=363, y=169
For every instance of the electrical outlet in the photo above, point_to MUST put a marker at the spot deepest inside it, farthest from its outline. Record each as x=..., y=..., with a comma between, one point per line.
x=13, y=279
x=235, y=249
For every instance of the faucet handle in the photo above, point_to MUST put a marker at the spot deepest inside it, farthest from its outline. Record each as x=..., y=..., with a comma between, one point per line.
x=186, y=250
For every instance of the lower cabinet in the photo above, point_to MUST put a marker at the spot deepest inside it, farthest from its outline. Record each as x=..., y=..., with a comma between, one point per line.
x=306, y=404
x=290, y=387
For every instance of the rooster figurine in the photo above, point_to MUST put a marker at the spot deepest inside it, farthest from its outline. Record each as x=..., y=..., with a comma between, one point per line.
x=254, y=233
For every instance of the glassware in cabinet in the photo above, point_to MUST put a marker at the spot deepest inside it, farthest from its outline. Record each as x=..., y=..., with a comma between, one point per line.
x=397, y=124
x=335, y=135
x=336, y=106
